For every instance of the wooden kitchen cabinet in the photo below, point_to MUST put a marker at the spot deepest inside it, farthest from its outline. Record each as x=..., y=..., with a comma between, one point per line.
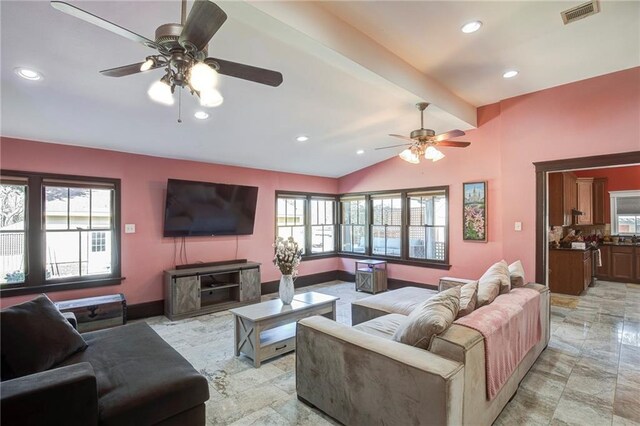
x=570, y=271
x=562, y=198
x=584, y=188
x=622, y=263
x=599, y=201
x=636, y=274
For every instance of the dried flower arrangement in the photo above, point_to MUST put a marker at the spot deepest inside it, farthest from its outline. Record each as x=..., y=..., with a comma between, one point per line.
x=287, y=256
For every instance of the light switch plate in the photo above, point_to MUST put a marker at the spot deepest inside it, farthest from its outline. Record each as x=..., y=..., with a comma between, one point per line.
x=518, y=226
x=130, y=228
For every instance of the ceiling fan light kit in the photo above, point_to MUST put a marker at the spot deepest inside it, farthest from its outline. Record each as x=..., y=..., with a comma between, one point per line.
x=182, y=51
x=422, y=142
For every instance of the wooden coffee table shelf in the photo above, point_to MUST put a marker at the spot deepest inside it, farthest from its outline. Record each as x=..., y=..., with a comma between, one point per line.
x=268, y=329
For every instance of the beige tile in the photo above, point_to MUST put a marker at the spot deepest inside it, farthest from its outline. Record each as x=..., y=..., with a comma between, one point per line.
x=592, y=383
x=527, y=408
x=621, y=421
x=627, y=402
x=573, y=410
x=263, y=417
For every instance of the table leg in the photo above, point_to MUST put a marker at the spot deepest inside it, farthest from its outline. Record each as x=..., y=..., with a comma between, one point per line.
x=333, y=310
x=255, y=338
x=236, y=328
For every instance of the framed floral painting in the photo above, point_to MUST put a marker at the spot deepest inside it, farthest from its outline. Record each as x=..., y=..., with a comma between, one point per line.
x=474, y=211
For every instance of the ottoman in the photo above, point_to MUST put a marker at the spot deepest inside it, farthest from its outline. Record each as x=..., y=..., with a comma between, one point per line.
x=401, y=301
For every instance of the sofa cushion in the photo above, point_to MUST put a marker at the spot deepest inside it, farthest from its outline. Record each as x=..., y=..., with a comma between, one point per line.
x=429, y=319
x=468, y=298
x=516, y=274
x=492, y=282
x=401, y=301
x=383, y=326
x=35, y=337
x=141, y=378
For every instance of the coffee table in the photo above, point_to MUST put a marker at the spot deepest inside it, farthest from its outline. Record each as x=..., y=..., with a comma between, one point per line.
x=268, y=329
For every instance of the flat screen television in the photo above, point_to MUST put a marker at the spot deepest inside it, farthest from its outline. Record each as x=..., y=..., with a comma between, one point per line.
x=208, y=209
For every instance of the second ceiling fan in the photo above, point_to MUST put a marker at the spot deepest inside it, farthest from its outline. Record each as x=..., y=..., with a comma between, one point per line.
x=422, y=142
x=182, y=52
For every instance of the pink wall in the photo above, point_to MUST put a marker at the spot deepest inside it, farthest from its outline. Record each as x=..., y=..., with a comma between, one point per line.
x=590, y=117
x=596, y=116
x=618, y=179
x=146, y=253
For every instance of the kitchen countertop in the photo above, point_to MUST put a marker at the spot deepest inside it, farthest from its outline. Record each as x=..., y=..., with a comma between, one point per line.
x=625, y=244
x=570, y=249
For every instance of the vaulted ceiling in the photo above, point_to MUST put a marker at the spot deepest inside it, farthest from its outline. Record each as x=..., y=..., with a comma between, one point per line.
x=352, y=74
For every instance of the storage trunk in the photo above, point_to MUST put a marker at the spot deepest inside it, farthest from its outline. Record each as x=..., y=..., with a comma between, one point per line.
x=96, y=313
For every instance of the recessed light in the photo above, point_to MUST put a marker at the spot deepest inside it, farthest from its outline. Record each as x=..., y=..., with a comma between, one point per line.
x=471, y=27
x=28, y=73
x=302, y=138
x=201, y=115
x=360, y=151
x=510, y=74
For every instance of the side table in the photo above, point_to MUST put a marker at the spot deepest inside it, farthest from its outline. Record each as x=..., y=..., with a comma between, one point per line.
x=371, y=276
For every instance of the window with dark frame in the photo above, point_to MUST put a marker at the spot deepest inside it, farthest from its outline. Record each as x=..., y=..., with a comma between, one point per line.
x=386, y=225
x=323, y=227
x=427, y=225
x=291, y=219
x=66, y=235
x=13, y=205
x=353, y=225
x=401, y=226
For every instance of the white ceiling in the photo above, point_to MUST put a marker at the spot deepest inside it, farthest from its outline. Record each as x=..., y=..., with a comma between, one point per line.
x=526, y=35
x=342, y=103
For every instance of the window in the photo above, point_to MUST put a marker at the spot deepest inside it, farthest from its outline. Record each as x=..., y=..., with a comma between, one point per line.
x=386, y=225
x=403, y=226
x=290, y=219
x=13, y=202
x=427, y=225
x=322, y=225
x=69, y=226
x=407, y=226
x=625, y=212
x=310, y=219
x=98, y=242
x=353, y=225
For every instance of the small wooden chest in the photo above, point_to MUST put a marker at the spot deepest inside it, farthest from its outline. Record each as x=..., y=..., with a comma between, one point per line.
x=96, y=313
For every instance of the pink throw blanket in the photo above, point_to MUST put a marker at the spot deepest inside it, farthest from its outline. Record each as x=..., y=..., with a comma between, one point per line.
x=511, y=327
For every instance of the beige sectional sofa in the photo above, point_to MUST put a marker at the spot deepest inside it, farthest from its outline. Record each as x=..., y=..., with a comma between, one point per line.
x=359, y=376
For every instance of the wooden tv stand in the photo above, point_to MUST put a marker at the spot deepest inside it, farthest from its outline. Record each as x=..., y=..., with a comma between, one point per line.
x=203, y=290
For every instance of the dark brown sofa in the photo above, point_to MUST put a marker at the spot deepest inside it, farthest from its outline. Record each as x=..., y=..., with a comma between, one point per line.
x=127, y=376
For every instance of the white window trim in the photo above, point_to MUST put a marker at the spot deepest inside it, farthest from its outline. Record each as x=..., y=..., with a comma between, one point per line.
x=613, y=197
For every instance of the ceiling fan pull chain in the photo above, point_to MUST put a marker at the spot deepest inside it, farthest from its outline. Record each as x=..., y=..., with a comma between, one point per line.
x=180, y=106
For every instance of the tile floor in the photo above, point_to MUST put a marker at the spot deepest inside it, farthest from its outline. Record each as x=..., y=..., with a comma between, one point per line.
x=589, y=374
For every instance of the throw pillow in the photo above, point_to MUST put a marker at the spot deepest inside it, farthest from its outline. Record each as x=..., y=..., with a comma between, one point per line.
x=516, y=274
x=468, y=298
x=429, y=319
x=492, y=282
x=36, y=336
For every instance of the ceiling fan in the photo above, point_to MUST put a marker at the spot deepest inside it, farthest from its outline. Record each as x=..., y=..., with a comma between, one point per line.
x=182, y=52
x=423, y=142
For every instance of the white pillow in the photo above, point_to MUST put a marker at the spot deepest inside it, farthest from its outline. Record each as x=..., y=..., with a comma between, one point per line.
x=493, y=282
x=516, y=274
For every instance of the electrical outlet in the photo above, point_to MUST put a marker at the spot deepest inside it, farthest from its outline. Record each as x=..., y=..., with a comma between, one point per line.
x=518, y=226
x=130, y=228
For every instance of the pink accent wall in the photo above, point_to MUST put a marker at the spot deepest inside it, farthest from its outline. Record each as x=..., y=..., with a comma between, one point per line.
x=146, y=253
x=618, y=179
x=590, y=117
x=600, y=115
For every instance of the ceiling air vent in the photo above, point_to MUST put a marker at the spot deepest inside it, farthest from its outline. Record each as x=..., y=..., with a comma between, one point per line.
x=579, y=12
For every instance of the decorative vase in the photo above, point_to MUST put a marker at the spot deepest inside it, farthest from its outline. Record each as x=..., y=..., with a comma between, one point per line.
x=286, y=289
